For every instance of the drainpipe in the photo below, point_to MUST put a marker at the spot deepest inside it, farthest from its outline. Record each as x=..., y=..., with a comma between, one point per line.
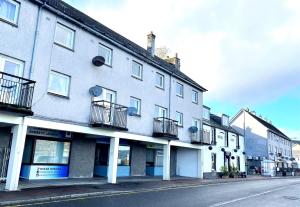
x=36, y=34
x=170, y=93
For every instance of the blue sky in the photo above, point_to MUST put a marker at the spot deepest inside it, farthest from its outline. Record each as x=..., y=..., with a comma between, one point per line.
x=246, y=52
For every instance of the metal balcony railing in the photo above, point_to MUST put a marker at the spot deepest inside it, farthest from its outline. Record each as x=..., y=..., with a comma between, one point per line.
x=165, y=127
x=200, y=137
x=16, y=91
x=107, y=114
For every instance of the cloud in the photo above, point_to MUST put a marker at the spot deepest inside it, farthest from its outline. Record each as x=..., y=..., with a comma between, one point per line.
x=244, y=52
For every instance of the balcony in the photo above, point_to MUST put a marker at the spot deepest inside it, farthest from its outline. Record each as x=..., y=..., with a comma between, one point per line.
x=165, y=128
x=16, y=94
x=200, y=137
x=108, y=115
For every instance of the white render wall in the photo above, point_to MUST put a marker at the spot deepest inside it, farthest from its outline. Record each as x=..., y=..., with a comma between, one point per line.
x=220, y=139
x=77, y=64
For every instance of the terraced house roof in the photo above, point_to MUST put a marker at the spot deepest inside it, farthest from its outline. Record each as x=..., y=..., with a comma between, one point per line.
x=65, y=10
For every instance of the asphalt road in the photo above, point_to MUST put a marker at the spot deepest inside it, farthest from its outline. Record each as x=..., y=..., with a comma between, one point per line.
x=260, y=193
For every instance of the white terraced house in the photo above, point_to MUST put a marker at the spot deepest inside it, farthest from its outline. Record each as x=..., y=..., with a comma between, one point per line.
x=225, y=145
x=79, y=100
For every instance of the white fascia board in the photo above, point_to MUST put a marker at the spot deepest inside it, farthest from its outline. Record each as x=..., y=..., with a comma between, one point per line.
x=126, y=135
x=10, y=119
x=185, y=145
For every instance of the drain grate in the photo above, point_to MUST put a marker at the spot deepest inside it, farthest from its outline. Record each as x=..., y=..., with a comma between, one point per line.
x=292, y=198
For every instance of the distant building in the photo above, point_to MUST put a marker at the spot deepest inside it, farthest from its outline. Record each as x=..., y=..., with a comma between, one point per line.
x=296, y=150
x=263, y=141
x=226, y=145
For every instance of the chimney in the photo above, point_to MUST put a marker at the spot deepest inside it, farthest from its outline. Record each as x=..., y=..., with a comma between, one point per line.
x=151, y=43
x=175, y=61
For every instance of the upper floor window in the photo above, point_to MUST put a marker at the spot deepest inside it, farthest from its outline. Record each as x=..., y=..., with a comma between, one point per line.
x=136, y=103
x=179, y=89
x=206, y=113
x=64, y=36
x=9, y=10
x=194, y=96
x=161, y=111
x=179, y=118
x=59, y=83
x=213, y=162
x=137, y=70
x=11, y=66
x=106, y=52
x=160, y=80
x=107, y=95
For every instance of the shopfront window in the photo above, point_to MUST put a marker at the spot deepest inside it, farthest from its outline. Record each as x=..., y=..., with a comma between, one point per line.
x=101, y=157
x=154, y=157
x=51, y=152
x=124, y=156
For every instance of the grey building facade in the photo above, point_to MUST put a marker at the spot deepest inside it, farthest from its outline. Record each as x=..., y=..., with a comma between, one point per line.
x=80, y=100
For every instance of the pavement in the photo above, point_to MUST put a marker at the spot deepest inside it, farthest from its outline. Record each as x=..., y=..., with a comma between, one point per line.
x=92, y=194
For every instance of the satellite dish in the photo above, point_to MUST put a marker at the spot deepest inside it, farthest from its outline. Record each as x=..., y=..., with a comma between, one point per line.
x=193, y=129
x=95, y=91
x=98, y=61
x=232, y=157
x=210, y=147
x=223, y=150
x=132, y=111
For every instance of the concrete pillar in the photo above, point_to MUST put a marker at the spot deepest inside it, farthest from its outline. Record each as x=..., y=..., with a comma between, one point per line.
x=200, y=163
x=113, y=160
x=16, y=155
x=166, y=161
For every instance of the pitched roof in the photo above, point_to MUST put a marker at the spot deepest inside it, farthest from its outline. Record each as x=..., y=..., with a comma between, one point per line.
x=216, y=121
x=271, y=127
x=64, y=8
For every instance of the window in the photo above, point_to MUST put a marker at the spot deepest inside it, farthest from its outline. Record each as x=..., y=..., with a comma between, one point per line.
x=11, y=66
x=136, y=103
x=160, y=81
x=59, y=84
x=206, y=113
x=106, y=53
x=64, y=36
x=9, y=10
x=137, y=70
x=161, y=111
x=194, y=96
x=213, y=162
x=179, y=118
x=124, y=156
x=101, y=155
x=51, y=152
x=154, y=157
x=237, y=141
x=179, y=89
x=107, y=95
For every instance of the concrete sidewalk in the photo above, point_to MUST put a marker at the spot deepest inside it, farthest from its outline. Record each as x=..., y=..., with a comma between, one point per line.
x=77, y=190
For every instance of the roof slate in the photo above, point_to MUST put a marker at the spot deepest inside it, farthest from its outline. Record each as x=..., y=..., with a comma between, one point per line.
x=269, y=126
x=216, y=121
x=84, y=19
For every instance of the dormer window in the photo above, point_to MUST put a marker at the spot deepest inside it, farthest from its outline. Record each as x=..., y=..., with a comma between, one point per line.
x=225, y=120
x=206, y=113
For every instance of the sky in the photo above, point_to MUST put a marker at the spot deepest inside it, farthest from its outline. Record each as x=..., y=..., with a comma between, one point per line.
x=245, y=52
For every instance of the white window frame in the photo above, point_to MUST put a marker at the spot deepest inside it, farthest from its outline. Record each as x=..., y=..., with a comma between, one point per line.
x=16, y=17
x=4, y=58
x=140, y=66
x=180, y=121
x=162, y=82
x=58, y=24
x=196, y=96
x=68, y=83
x=160, y=111
x=109, y=61
x=182, y=87
x=139, y=104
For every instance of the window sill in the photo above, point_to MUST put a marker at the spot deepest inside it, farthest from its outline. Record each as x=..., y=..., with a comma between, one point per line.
x=9, y=22
x=179, y=96
x=136, y=115
x=159, y=87
x=58, y=95
x=195, y=102
x=180, y=126
x=63, y=46
x=136, y=77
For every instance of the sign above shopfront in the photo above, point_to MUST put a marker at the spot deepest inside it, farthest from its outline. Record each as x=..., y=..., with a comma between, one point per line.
x=48, y=133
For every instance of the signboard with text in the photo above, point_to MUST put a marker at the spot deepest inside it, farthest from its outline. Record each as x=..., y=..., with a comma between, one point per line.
x=37, y=172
